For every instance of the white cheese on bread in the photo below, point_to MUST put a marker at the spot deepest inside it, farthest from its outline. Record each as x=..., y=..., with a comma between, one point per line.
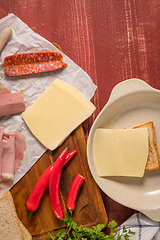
x=120, y=152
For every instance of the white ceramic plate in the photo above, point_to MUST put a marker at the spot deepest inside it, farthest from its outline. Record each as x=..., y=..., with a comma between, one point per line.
x=131, y=102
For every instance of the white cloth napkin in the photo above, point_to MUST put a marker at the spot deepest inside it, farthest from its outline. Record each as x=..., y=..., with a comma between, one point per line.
x=144, y=228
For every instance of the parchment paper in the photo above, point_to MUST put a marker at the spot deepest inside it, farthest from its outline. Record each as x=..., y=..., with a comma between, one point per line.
x=23, y=40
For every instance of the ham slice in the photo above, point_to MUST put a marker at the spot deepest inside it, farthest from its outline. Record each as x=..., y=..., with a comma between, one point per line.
x=12, y=108
x=11, y=103
x=11, y=98
x=1, y=152
x=4, y=185
x=5, y=91
x=20, y=146
x=12, y=146
x=8, y=159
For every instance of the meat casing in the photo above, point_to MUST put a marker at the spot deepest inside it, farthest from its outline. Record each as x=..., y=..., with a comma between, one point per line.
x=30, y=63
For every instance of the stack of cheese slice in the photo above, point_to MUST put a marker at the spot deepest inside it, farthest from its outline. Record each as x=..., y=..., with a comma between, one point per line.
x=57, y=112
x=120, y=152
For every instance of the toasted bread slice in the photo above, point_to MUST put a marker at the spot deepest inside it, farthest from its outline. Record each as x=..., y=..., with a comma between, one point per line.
x=153, y=161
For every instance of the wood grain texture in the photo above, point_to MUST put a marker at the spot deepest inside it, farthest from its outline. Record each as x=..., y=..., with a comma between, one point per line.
x=5, y=8
x=126, y=43
x=111, y=40
x=89, y=209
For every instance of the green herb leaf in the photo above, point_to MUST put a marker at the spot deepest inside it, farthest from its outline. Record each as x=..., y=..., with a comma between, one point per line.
x=52, y=237
x=61, y=234
x=73, y=232
x=112, y=224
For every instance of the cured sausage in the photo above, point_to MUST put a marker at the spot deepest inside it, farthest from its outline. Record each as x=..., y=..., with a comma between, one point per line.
x=17, y=70
x=30, y=63
x=28, y=58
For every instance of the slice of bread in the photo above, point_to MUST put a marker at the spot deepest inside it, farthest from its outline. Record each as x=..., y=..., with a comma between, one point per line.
x=26, y=234
x=10, y=225
x=153, y=161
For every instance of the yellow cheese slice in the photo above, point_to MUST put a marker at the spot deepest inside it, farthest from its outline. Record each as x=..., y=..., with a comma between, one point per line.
x=120, y=152
x=57, y=112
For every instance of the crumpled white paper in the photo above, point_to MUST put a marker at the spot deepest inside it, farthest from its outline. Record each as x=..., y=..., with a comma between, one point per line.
x=144, y=227
x=23, y=40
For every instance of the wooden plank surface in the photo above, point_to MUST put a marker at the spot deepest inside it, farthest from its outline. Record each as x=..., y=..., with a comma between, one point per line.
x=89, y=209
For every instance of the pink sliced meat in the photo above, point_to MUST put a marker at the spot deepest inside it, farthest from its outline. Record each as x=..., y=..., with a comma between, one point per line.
x=11, y=103
x=20, y=146
x=12, y=146
x=11, y=98
x=12, y=108
x=8, y=159
x=5, y=91
x=4, y=185
x=1, y=152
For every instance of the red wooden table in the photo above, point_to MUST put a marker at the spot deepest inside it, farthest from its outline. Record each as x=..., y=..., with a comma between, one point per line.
x=111, y=40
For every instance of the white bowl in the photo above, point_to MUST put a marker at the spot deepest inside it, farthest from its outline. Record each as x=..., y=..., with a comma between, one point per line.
x=131, y=102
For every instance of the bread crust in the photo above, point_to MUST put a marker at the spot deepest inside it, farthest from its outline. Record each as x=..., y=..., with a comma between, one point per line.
x=26, y=234
x=153, y=161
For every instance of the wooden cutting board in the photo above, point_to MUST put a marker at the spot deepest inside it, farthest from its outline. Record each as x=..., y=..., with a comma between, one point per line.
x=89, y=209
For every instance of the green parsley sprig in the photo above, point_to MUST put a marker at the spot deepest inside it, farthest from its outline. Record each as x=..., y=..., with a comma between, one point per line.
x=73, y=232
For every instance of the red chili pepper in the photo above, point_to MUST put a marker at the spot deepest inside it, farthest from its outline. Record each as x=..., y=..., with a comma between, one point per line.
x=41, y=186
x=54, y=186
x=73, y=192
